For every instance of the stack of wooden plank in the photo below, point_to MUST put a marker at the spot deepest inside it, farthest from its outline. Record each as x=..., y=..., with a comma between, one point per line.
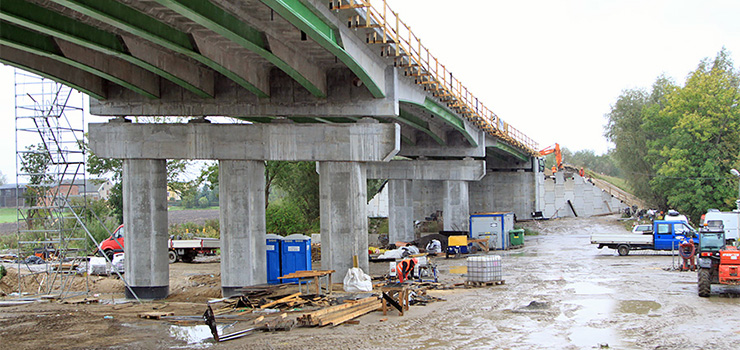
x=335, y=315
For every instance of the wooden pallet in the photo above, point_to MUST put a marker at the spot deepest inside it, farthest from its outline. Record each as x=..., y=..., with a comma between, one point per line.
x=473, y=284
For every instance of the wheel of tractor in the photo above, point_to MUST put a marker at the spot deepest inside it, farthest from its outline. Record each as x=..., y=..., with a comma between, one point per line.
x=623, y=250
x=704, y=284
x=109, y=253
x=172, y=256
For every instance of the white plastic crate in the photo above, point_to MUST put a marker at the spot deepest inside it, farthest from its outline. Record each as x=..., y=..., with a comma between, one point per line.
x=485, y=268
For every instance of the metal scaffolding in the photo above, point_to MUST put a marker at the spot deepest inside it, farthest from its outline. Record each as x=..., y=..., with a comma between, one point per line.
x=51, y=184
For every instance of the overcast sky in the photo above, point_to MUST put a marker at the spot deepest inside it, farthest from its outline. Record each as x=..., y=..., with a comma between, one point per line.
x=552, y=69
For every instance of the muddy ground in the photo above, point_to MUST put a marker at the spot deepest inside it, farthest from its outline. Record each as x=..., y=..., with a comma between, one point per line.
x=560, y=293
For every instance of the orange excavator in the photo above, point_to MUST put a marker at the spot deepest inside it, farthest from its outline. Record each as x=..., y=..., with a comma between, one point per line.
x=558, y=156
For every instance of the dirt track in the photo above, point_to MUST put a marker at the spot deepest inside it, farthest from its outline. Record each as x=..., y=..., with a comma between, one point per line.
x=560, y=293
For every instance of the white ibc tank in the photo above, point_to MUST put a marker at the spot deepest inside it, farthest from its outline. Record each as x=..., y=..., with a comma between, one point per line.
x=485, y=268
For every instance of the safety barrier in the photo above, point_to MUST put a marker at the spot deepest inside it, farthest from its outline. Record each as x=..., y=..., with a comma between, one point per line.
x=387, y=29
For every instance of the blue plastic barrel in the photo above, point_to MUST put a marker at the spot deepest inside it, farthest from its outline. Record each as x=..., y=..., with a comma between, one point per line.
x=296, y=255
x=274, y=247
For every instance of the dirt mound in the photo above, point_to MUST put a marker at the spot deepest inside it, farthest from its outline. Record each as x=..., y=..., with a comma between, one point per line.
x=196, y=288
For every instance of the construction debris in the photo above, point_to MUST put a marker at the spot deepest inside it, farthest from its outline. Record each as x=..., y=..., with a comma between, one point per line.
x=336, y=315
x=155, y=315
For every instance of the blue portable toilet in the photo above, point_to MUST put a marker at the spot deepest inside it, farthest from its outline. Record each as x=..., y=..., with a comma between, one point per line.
x=274, y=246
x=296, y=255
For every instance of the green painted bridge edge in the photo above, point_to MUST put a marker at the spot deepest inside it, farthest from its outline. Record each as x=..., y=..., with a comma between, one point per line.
x=54, y=78
x=301, y=16
x=511, y=150
x=56, y=25
x=42, y=45
x=228, y=26
x=418, y=124
x=138, y=24
x=446, y=116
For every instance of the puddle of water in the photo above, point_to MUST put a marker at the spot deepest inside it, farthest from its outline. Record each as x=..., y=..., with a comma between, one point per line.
x=592, y=309
x=589, y=337
x=200, y=334
x=460, y=270
x=640, y=307
x=588, y=288
x=546, y=336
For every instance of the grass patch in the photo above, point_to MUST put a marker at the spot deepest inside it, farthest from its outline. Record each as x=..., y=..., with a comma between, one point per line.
x=616, y=181
x=8, y=215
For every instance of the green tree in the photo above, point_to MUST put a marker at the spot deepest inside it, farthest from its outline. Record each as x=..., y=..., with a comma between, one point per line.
x=285, y=217
x=300, y=181
x=633, y=127
x=677, y=144
x=704, y=141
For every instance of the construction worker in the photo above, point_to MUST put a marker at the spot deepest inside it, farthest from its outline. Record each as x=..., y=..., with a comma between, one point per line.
x=554, y=169
x=404, y=268
x=687, y=251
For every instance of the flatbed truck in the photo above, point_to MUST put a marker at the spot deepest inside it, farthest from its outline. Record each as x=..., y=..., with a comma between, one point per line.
x=184, y=250
x=665, y=235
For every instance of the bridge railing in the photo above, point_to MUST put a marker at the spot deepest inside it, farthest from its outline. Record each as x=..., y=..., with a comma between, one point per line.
x=407, y=48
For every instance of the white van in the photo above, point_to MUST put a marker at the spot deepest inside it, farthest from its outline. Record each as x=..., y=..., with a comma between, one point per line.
x=729, y=219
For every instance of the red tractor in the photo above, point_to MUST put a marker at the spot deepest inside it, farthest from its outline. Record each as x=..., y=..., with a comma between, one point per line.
x=718, y=263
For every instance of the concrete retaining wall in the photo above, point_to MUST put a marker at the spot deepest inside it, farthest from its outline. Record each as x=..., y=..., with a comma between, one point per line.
x=586, y=198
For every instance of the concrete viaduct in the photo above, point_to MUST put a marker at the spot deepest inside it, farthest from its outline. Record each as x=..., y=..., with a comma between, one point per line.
x=345, y=84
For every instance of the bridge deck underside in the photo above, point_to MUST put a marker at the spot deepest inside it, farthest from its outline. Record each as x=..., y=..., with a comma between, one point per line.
x=282, y=59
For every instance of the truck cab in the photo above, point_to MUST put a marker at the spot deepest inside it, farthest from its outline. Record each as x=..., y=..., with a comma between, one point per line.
x=667, y=234
x=114, y=243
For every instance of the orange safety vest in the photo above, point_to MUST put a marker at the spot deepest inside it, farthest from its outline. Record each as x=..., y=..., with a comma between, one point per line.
x=404, y=268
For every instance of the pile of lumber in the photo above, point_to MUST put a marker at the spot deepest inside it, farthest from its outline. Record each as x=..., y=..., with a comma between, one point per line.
x=243, y=305
x=336, y=315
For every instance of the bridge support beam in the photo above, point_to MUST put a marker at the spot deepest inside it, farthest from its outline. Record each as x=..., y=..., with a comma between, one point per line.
x=343, y=210
x=145, y=215
x=400, y=211
x=242, y=212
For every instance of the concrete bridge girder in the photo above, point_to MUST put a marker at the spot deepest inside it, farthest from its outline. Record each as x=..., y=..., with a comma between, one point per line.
x=198, y=76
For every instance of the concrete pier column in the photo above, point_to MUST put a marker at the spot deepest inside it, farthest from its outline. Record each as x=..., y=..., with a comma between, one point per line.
x=343, y=195
x=456, y=211
x=242, y=211
x=400, y=211
x=145, y=216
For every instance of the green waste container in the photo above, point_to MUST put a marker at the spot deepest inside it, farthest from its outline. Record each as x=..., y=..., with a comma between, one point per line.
x=516, y=237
